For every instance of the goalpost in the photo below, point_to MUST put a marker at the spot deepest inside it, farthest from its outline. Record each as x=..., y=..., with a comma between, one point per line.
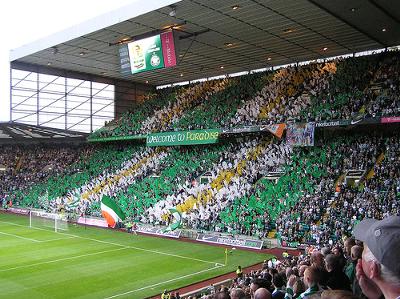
x=44, y=220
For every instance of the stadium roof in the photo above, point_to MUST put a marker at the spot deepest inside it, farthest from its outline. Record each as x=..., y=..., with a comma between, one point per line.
x=221, y=36
x=11, y=133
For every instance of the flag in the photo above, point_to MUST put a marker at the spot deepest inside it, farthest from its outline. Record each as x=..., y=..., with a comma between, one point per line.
x=276, y=129
x=176, y=221
x=111, y=211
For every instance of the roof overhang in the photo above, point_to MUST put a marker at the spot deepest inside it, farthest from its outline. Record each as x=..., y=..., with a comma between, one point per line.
x=109, y=19
x=216, y=39
x=18, y=133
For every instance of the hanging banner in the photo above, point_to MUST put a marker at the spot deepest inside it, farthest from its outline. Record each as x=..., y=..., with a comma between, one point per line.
x=146, y=54
x=277, y=129
x=183, y=138
x=168, y=48
x=151, y=53
x=300, y=134
x=124, y=60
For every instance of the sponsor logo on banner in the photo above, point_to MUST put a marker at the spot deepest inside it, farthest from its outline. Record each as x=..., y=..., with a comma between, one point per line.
x=248, y=129
x=150, y=230
x=46, y=215
x=347, y=122
x=151, y=53
x=335, y=123
x=354, y=122
x=21, y=211
x=245, y=129
x=183, y=138
x=239, y=242
x=92, y=221
x=145, y=54
x=367, y=121
x=387, y=120
x=290, y=244
x=168, y=49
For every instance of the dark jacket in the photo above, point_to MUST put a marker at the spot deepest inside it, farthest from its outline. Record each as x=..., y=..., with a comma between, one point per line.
x=338, y=280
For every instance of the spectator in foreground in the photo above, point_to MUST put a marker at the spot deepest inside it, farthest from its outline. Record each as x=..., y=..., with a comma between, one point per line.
x=278, y=283
x=262, y=293
x=312, y=277
x=237, y=294
x=318, y=261
x=337, y=278
x=337, y=294
x=378, y=272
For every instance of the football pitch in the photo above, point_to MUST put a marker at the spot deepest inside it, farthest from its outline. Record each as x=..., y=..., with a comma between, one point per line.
x=87, y=262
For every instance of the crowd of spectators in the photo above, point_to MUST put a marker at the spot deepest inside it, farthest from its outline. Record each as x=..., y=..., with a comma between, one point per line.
x=331, y=210
x=285, y=95
x=386, y=78
x=365, y=265
x=137, y=165
x=129, y=123
x=312, y=201
x=23, y=166
x=181, y=168
x=91, y=162
x=217, y=110
x=161, y=111
x=350, y=88
x=231, y=178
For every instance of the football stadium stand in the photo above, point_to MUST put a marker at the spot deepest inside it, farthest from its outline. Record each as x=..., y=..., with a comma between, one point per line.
x=238, y=197
x=340, y=89
x=296, y=155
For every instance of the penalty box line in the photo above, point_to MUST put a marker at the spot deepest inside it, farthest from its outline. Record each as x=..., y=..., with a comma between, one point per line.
x=19, y=237
x=60, y=260
x=123, y=246
x=31, y=239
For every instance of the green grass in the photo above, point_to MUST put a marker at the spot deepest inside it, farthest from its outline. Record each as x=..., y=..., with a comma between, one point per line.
x=99, y=263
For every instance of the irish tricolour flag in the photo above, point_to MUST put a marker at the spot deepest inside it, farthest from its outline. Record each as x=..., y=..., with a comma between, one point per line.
x=111, y=211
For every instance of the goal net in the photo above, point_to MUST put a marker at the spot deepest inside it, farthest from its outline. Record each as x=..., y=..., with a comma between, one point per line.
x=50, y=221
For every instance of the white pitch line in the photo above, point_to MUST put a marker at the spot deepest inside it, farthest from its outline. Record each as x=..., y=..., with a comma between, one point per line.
x=116, y=244
x=120, y=245
x=163, y=282
x=19, y=237
x=143, y=249
x=60, y=260
x=57, y=239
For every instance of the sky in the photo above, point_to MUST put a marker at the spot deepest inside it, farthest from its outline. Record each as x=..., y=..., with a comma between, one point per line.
x=24, y=21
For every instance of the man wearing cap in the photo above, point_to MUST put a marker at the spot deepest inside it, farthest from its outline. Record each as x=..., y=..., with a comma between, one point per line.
x=378, y=271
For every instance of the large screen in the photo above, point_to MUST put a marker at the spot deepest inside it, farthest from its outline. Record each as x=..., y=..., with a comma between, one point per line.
x=148, y=54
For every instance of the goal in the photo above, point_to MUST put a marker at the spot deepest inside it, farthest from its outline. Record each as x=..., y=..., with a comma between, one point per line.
x=51, y=221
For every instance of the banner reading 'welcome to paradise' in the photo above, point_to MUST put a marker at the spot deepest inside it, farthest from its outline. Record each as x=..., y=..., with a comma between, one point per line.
x=183, y=138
